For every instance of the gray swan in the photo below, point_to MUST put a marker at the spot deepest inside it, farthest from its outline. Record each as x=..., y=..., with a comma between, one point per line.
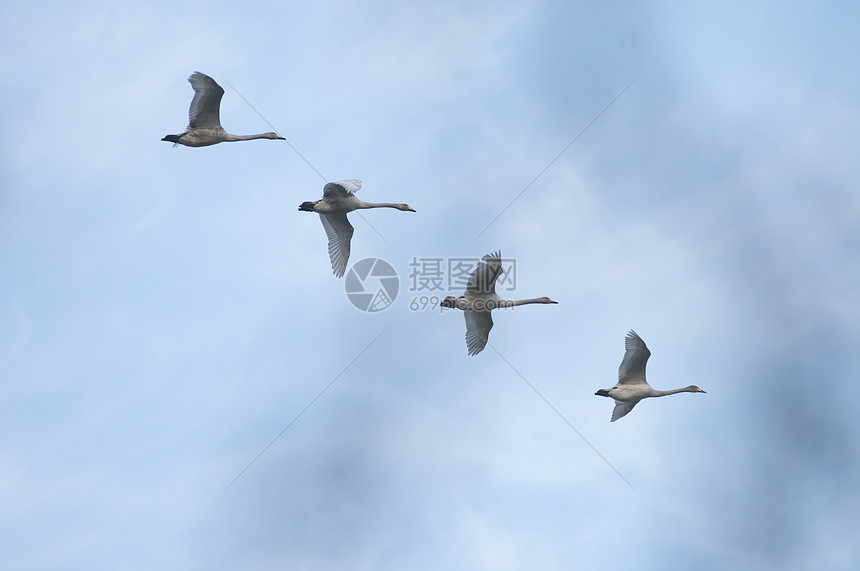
x=632, y=386
x=338, y=199
x=480, y=299
x=204, y=125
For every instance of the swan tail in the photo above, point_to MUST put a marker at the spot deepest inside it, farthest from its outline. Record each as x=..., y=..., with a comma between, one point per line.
x=602, y=393
x=307, y=206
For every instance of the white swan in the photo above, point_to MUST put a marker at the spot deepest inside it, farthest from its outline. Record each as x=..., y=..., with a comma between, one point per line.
x=338, y=199
x=204, y=125
x=632, y=386
x=480, y=299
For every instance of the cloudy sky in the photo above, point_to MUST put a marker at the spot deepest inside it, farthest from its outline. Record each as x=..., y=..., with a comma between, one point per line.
x=166, y=312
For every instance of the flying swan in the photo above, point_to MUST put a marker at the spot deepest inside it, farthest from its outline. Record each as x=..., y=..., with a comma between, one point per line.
x=632, y=386
x=204, y=125
x=338, y=199
x=480, y=299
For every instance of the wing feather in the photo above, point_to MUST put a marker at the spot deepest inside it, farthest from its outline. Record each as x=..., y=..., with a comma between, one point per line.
x=339, y=232
x=204, y=110
x=483, y=278
x=622, y=407
x=341, y=188
x=632, y=368
x=478, y=325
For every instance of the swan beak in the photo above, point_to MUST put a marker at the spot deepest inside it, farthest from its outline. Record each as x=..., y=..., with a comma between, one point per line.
x=701, y=391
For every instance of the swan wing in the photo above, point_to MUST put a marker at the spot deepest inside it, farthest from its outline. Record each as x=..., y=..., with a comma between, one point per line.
x=478, y=325
x=204, y=110
x=632, y=368
x=341, y=188
x=622, y=407
x=483, y=279
x=339, y=232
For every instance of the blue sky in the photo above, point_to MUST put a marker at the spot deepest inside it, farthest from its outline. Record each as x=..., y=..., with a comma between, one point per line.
x=166, y=312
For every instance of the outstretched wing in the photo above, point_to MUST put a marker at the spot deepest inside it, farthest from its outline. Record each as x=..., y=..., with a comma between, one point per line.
x=339, y=232
x=622, y=407
x=483, y=279
x=341, y=188
x=204, y=110
x=478, y=325
x=632, y=369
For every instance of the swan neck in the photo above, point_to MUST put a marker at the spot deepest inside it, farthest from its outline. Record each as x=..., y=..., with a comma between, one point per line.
x=231, y=137
x=362, y=204
x=672, y=392
x=516, y=302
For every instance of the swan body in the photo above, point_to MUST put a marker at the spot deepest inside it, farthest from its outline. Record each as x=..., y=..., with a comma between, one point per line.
x=338, y=199
x=632, y=386
x=204, y=124
x=480, y=299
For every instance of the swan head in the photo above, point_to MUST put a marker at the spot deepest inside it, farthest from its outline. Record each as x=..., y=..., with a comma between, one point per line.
x=694, y=389
x=405, y=208
x=271, y=135
x=546, y=300
x=449, y=301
